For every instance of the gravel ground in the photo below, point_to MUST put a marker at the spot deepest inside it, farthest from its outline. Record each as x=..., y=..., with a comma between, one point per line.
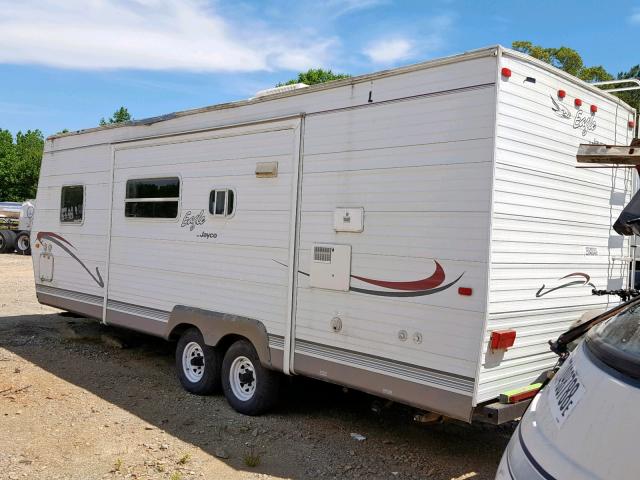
x=79, y=400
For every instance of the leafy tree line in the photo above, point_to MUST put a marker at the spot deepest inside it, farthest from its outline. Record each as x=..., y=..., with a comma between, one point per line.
x=119, y=116
x=570, y=61
x=314, y=76
x=20, y=164
x=20, y=159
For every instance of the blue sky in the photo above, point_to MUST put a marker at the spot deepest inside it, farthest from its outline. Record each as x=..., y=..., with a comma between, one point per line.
x=67, y=63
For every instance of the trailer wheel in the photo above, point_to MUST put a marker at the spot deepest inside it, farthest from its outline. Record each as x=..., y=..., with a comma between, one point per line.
x=23, y=243
x=7, y=241
x=197, y=364
x=249, y=388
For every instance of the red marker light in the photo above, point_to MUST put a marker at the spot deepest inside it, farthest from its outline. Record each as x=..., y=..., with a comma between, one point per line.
x=506, y=72
x=502, y=339
x=577, y=102
x=465, y=291
x=562, y=94
x=594, y=109
x=631, y=124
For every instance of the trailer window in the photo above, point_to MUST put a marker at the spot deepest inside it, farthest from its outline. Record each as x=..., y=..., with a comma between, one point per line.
x=222, y=202
x=152, y=198
x=71, y=204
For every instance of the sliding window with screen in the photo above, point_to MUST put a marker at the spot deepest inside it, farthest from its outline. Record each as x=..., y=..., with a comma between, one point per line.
x=152, y=198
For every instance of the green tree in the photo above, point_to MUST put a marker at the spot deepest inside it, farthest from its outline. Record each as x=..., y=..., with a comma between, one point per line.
x=119, y=116
x=20, y=164
x=315, y=75
x=564, y=58
x=632, y=97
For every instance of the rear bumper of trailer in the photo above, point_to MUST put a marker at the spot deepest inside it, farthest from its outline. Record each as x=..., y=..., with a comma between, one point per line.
x=497, y=413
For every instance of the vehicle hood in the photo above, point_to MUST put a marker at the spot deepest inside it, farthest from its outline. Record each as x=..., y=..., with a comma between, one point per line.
x=585, y=423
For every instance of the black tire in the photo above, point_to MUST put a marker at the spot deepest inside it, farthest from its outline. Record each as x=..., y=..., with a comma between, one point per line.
x=23, y=244
x=199, y=382
x=7, y=241
x=265, y=392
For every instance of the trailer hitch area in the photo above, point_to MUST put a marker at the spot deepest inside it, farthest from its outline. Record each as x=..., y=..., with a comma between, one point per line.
x=497, y=413
x=624, y=293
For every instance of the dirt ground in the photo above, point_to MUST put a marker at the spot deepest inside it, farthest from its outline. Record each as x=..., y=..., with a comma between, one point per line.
x=79, y=400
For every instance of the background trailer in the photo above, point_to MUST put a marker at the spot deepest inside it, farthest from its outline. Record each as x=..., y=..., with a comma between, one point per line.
x=419, y=233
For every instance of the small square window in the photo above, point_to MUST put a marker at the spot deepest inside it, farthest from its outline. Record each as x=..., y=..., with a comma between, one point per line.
x=222, y=202
x=72, y=204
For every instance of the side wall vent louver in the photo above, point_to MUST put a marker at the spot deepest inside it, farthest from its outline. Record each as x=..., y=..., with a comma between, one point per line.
x=322, y=254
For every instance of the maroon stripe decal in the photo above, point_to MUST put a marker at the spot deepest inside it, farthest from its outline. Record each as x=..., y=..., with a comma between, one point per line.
x=433, y=281
x=58, y=240
x=584, y=282
x=416, y=288
x=42, y=235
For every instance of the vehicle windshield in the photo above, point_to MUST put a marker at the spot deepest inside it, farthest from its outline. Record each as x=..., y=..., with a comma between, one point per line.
x=616, y=341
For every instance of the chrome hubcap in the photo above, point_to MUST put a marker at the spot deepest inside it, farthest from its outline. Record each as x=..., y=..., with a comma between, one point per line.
x=242, y=378
x=23, y=243
x=193, y=362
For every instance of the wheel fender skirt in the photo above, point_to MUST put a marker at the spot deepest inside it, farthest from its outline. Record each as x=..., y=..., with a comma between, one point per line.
x=215, y=326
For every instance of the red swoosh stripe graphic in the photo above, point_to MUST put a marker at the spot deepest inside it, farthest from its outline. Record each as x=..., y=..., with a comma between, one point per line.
x=42, y=235
x=433, y=281
x=62, y=243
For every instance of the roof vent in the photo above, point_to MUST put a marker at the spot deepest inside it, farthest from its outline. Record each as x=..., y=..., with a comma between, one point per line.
x=282, y=89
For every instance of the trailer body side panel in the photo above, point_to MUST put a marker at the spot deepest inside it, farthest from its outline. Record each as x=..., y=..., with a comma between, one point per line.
x=552, y=237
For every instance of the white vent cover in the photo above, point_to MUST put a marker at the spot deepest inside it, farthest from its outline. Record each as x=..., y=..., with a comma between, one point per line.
x=282, y=89
x=322, y=254
x=348, y=219
x=330, y=267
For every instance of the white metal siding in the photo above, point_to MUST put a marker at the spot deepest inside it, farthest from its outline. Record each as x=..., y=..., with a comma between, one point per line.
x=158, y=263
x=546, y=212
x=421, y=169
x=90, y=167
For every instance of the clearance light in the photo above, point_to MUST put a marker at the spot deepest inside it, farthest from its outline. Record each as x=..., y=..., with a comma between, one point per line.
x=506, y=72
x=577, y=102
x=502, y=339
x=594, y=109
x=465, y=291
x=562, y=94
x=631, y=124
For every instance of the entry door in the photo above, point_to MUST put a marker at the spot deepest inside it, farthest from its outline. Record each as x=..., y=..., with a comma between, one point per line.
x=228, y=247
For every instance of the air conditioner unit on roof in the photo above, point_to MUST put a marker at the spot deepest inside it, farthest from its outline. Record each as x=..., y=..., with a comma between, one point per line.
x=282, y=89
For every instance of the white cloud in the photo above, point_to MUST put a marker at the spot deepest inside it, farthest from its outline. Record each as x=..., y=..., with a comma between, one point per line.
x=635, y=16
x=146, y=34
x=426, y=38
x=342, y=7
x=389, y=50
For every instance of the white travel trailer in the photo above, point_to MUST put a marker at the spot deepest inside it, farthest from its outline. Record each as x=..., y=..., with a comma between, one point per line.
x=418, y=233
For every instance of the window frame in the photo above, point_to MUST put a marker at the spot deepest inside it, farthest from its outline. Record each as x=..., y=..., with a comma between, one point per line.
x=84, y=202
x=226, y=202
x=157, y=199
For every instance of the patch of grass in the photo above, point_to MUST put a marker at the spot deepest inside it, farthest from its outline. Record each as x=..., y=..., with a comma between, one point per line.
x=252, y=459
x=118, y=465
x=176, y=476
x=184, y=459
